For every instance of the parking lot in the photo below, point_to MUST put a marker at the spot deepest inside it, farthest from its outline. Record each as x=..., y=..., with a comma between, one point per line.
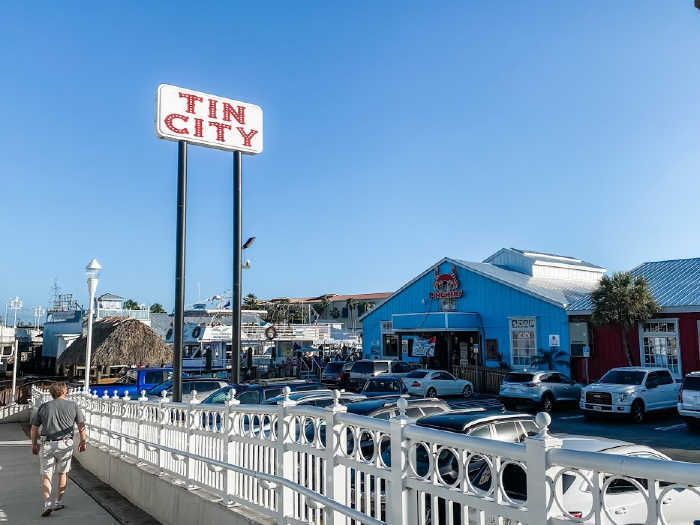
x=665, y=432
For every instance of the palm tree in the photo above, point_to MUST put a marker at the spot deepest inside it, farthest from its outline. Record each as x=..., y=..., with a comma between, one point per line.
x=157, y=308
x=130, y=304
x=552, y=358
x=623, y=300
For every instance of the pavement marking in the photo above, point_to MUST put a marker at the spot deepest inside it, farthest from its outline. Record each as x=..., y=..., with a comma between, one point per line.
x=672, y=427
x=580, y=416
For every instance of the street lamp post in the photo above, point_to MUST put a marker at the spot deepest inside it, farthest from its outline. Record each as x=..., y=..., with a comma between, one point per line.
x=237, y=267
x=15, y=304
x=92, y=271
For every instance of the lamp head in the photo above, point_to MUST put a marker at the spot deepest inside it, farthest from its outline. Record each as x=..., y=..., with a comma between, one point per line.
x=93, y=269
x=248, y=243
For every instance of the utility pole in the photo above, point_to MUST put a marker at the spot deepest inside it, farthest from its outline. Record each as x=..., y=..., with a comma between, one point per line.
x=15, y=304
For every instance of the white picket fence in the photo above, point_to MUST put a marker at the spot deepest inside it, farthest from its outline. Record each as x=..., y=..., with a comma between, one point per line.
x=302, y=465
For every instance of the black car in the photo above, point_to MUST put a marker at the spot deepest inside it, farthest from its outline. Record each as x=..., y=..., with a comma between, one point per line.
x=256, y=393
x=383, y=408
x=334, y=374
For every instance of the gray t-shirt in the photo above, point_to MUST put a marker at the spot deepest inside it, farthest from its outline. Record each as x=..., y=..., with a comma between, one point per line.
x=57, y=417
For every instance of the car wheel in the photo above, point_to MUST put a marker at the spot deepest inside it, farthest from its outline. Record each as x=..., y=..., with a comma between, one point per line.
x=547, y=403
x=468, y=391
x=431, y=392
x=637, y=411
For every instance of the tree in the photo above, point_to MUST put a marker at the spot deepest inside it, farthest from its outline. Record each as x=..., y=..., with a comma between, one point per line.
x=157, y=308
x=552, y=358
x=623, y=301
x=130, y=304
x=250, y=302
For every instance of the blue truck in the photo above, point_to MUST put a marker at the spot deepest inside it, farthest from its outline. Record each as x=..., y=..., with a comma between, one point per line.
x=134, y=381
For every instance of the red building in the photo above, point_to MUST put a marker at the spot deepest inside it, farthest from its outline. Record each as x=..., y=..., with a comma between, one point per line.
x=671, y=339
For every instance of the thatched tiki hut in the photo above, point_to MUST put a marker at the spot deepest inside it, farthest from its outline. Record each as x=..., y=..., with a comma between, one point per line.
x=118, y=342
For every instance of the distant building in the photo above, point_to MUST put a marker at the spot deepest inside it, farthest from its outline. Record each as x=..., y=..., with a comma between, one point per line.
x=110, y=305
x=335, y=308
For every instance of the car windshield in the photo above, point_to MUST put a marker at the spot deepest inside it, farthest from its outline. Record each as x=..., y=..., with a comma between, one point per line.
x=217, y=397
x=333, y=367
x=623, y=377
x=515, y=377
x=417, y=374
x=164, y=386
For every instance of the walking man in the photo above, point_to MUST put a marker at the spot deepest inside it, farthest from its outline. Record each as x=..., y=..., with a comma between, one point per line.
x=56, y=419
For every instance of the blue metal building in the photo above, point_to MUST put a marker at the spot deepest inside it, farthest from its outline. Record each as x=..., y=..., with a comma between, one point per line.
x=502, y=310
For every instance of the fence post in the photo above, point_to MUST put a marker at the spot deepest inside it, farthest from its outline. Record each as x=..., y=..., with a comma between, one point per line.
x=536, y=449
x=161, y=423
x=140, y=416
x=397, y=499
x=285, y=458
x=335, y=479
x=190, y=443
x=230, y=446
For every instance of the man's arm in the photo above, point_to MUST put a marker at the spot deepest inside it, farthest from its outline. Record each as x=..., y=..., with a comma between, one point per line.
x=80, y=420
x=34, y=434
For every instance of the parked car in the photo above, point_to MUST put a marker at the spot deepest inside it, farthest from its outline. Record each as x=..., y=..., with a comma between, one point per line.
x=387, y=409
x=203, y=386
x=319, y=398
x=334, y=372
x=623, y=499
x=633, y=391
x=434, y=383
x=384, y=385
x=256, y=393
x=689, y=400
x=365, y=369
x=134, y=382
x=540, y=389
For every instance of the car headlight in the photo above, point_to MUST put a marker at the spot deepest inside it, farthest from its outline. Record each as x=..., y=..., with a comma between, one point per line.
x=622, y=397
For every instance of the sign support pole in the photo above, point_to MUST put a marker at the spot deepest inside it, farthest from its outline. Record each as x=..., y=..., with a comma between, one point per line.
x=237, y=264
x=180, y=269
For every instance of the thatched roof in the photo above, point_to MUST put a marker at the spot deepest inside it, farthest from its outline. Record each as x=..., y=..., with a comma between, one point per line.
x=118, y=341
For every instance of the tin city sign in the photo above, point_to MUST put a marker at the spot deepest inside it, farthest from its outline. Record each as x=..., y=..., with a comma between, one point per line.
x=208, y=120
x=446, y=285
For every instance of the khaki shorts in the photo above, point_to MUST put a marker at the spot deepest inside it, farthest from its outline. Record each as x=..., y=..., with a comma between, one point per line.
x=56, y=456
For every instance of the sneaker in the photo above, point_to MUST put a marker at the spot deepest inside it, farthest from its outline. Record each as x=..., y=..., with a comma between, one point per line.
x=47, y=510
x=58, y=505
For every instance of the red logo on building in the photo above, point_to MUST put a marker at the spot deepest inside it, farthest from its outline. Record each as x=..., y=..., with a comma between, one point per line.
x=446, y=285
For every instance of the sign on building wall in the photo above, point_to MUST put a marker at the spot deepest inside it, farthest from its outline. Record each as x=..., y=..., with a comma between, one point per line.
x=208, y=120
x=554, y=340
x=424, y=347
x=446, y=285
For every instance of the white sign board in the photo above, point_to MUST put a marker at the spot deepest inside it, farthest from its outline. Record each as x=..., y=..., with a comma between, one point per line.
x=208, y=120
x=586, y=352
x=553, y=340
x=424, y=347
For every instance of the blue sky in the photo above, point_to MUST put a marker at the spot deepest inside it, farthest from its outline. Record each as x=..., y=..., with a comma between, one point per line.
x=396, y=133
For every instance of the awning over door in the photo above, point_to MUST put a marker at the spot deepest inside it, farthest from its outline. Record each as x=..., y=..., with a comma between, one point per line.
x=436, y=321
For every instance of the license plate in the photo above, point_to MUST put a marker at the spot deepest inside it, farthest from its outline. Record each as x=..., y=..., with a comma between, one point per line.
x=597, y=408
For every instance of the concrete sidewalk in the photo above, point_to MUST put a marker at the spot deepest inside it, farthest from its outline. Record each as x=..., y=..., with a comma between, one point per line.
x=20, y=490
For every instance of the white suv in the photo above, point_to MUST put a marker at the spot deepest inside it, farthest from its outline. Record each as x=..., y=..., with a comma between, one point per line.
x=689, y=400
x=630, y=390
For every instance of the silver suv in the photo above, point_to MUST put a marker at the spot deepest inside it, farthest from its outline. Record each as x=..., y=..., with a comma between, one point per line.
x=689, y=400
x=544, y=388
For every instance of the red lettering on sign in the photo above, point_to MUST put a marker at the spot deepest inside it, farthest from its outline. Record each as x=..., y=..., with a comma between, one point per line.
x=198, y=127
x=169, y=123
x=238, y=115
x=191, y=99
x=247, y=136
x=212, y=108
x=220, y=129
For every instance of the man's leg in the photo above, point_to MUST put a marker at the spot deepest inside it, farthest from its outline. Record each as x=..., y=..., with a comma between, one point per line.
x=46, y=488
x=62, y=482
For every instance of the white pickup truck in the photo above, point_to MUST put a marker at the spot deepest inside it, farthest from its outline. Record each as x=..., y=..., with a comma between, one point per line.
x=633, y=391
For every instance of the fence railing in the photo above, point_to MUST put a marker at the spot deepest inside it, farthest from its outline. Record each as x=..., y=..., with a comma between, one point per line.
x=483, y=378
x=300, y=464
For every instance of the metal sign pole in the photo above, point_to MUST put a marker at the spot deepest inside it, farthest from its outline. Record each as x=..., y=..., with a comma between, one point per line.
x=180, y=269
x=237, y=263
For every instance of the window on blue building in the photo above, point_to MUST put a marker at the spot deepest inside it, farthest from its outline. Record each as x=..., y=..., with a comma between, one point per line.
x=523, y=341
